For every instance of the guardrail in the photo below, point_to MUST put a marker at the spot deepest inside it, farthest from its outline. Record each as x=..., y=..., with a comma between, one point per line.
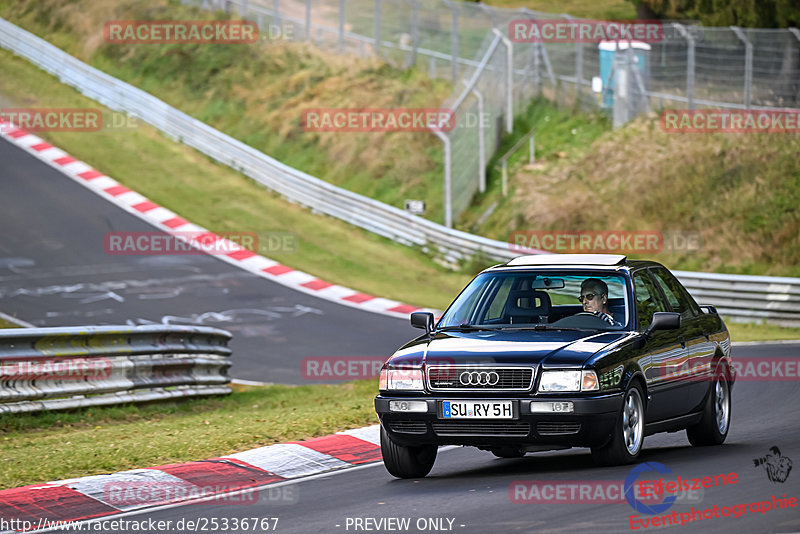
x=759, y=300
x=74, y=367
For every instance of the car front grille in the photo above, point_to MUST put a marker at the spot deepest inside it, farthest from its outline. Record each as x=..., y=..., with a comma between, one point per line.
x=479, y=378
x=483, y=428
x=408, y=427
x=553, y=428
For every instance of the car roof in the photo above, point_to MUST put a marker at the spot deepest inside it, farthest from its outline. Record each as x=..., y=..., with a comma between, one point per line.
x=612, y=262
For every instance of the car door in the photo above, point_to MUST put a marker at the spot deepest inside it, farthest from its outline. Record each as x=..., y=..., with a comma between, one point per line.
x=662, y=351
x=694, y=376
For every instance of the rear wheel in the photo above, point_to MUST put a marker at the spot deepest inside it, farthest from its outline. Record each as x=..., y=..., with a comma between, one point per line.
x=406, y=462
x=628, y=434
x=713, y=426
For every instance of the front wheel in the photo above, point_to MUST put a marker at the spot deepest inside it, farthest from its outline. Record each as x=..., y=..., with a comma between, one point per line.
x=716, y=420
x=508, y=452
x=628, y=434
x=406, y=462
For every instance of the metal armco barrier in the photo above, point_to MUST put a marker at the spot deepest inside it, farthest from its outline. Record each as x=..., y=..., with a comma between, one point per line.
x=752, y=298
x=73, y=367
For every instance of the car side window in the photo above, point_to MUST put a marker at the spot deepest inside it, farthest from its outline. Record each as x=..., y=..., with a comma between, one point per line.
x=648, y=299
x=679, y=299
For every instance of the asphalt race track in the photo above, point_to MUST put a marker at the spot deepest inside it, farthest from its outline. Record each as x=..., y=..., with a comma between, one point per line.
x=54, y=271
x=471, y=487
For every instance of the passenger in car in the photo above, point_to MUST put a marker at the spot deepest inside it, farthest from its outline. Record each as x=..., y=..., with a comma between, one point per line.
x=594, y=297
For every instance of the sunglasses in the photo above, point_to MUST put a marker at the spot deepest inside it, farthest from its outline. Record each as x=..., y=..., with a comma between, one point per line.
x=587, y=296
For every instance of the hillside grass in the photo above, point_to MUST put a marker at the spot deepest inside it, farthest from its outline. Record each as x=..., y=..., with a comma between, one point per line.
x=739, y=192
x=586, y=9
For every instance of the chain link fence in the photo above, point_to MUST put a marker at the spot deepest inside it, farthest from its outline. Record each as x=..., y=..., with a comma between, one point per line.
x=687, y=67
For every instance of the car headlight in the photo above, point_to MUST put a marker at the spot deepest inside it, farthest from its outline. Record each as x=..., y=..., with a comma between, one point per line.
x=555, y=381
x=401, y=379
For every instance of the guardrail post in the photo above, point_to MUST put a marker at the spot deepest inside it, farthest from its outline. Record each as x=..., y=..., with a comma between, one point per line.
x=448, y=192
x=342, y=4
x=748, y=65
x=690, y=63
x=308, y=20
x=377, y=27
x=509, y=80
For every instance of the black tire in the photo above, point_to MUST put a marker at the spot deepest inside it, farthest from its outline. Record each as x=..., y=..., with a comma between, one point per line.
x=407, y=462
x=508, y=452
x=627, y=437
x=716, y=421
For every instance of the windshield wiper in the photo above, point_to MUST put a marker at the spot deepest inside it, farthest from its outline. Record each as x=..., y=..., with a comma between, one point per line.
x=544, y=327
x=466, y=328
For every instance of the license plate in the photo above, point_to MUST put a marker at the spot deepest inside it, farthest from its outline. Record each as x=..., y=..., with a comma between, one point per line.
x=478, y=409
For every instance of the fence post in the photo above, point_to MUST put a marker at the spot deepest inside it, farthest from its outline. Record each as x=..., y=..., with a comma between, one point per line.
x=454, y=46
x=578, y=60
x=342, y=4
x=509, y=80
x=748, y=65
x=308, y=20
x=481, y=141
x=448, y=193
x=276, y=13
x=377, y=30
x=689, y=63
x=412, y=58
x=505, y=178
x=532, y=149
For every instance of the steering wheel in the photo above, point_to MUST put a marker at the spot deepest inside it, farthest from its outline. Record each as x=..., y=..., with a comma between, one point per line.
x=585, y=313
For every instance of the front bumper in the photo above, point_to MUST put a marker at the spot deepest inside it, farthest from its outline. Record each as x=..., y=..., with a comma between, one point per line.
x=590, y=423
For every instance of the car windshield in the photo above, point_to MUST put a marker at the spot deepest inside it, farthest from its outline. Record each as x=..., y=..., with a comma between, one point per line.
x=541, y=300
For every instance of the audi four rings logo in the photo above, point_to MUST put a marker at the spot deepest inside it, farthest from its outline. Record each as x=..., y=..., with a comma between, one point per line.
x=479, y=378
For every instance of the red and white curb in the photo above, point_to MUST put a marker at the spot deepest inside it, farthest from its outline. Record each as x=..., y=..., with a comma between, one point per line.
x=168, y=221
x=105, y=495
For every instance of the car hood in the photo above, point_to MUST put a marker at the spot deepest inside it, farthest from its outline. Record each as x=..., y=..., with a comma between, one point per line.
x=551, y=349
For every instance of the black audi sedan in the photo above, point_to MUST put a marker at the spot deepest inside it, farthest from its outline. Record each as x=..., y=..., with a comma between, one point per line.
x=556, y=351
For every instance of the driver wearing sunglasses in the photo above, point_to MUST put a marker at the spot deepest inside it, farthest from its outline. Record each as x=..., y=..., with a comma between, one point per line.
x=594, y=297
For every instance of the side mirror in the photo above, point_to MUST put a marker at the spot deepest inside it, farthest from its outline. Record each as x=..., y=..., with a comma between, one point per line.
x=664, y=321
x=422, y=320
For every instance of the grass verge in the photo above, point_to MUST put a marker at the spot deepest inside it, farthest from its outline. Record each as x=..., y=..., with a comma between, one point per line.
x=760, y=331
x=36, y=448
